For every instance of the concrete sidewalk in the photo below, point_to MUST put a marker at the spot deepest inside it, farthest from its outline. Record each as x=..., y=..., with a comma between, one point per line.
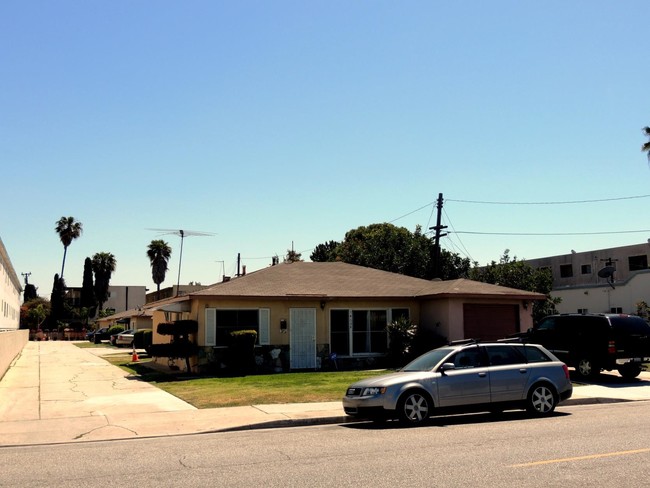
x=55, y=392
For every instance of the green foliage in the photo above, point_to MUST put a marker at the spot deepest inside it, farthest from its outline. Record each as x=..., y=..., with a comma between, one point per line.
x=87, y=298
x=292, y=256
x=401, y=333
x=158, y=253
x=511, y=273
x=57, y=309
x=37, y=311
x=395, y=249
x=324, y=252
x=103, y=264
x=178, y=328
x=116, y=329
x=642, y=309
x=142, y=338
x=68, y=229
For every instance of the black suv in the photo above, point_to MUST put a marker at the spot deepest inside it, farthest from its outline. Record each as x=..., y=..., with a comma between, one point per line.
x=594, y=342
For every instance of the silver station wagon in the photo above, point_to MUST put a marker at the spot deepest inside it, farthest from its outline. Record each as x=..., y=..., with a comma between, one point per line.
x=463, y=377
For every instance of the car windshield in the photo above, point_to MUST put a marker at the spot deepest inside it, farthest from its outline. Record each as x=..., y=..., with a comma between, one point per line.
x=428, y=361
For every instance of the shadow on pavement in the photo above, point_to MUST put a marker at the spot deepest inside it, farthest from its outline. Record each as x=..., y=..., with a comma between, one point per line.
x=450, y=420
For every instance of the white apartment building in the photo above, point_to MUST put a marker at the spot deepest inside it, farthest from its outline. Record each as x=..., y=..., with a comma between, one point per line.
x=10, y=290
x=609, y=280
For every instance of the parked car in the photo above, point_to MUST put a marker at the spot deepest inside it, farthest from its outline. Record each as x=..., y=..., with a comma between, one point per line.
x=125, y=338
x=101, y=334
x=595, y=342
x=470, y=376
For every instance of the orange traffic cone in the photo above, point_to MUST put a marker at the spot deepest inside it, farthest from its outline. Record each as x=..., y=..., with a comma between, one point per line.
x=134, y=358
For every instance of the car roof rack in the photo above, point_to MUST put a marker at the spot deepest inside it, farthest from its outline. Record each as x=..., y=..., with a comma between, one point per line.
x=460, y=342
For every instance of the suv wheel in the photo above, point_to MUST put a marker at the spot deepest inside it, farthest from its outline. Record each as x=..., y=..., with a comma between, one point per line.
x=586, y=368
x=414, y=407
x=541, y=400
x=629, y=371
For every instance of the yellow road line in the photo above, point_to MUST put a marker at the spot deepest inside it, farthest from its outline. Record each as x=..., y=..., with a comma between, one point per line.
x=580, y=458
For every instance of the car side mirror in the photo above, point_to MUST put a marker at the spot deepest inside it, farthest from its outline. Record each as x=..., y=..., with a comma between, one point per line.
x=446, y=367
x=530, y=330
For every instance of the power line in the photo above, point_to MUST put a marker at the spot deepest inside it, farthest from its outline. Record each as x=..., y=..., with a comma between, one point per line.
x=568, y=202
x=548, y=233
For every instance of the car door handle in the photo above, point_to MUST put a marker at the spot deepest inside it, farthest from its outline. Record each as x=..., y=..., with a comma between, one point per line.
x=523, y=371
x=481, y=375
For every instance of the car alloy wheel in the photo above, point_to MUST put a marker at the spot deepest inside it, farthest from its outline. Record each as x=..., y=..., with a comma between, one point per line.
x=586, y=368
x=414, y=408
x=541, y=400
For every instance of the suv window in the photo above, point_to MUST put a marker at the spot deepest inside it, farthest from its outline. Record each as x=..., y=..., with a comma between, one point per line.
x=630, y=325
x=547, y=324
x=534, y=354
x=500, y=355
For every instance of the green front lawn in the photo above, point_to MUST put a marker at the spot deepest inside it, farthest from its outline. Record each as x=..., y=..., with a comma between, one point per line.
x=211, y=392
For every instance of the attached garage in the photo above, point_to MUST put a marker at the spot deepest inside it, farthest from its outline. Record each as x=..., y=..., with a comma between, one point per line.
x=490, y=321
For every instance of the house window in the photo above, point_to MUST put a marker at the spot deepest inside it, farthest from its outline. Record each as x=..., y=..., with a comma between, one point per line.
x=220, y=323
x=361, y=332
x=566, y=271
x=637, y=263
x=585, y=269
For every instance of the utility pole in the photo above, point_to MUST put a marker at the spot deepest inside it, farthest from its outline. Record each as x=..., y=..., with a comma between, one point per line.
x=436, y=239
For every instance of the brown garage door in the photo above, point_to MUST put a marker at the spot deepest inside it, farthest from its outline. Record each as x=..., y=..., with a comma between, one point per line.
x=489, y=322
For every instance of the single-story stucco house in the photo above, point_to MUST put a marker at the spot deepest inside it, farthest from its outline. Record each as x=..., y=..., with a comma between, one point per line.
x=306, y=312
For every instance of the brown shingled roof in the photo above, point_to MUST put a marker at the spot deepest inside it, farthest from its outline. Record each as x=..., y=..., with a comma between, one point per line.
x=342, y=280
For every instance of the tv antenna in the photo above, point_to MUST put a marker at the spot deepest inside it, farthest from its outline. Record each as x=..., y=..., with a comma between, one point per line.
x=182, y=234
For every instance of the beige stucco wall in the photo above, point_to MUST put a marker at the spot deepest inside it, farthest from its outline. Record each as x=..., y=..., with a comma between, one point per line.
x=446, y=317
x=280, y=310
x=11, y=343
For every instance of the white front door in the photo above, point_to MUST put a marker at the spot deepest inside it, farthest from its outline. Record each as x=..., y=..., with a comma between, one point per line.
x=302, y=327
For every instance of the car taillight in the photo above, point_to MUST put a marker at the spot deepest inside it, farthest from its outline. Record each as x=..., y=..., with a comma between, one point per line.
x=566, y=371
x=611, y=347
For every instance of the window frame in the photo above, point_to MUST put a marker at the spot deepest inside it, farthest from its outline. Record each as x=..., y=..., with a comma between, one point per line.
x=211, y=325
x=369, y=330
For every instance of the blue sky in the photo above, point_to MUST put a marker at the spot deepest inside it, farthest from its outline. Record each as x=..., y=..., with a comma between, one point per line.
x=272, y=123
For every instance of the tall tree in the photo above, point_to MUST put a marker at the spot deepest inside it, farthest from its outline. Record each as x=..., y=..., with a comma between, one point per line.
x=646, y=145
x=69, y=230
x=158, y=253
x=57, y=307
x=87, y=298
x=395, y=249
x=292, y=256
x=103, y=264
x=324, y=252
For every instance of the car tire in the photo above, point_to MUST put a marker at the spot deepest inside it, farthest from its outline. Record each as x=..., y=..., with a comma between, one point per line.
x=542, y=400
x=414, y=407
x=586, y=368
x=629, y=371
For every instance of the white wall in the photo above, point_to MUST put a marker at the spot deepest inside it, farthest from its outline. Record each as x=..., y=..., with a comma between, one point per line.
x=10, y=290
x=601, y=299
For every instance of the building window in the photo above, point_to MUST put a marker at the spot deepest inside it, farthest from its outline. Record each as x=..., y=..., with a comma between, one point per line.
x=637, y=263
x=583, y=311
x=566, y=271
x=221, y=322
x=616, y=310
x=361, y=332
x=585, y=269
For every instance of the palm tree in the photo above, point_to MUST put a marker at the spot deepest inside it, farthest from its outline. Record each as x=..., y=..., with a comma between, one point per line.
x=646, y=145
x=158, y=253
x=68, y=229
x=103, y=264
